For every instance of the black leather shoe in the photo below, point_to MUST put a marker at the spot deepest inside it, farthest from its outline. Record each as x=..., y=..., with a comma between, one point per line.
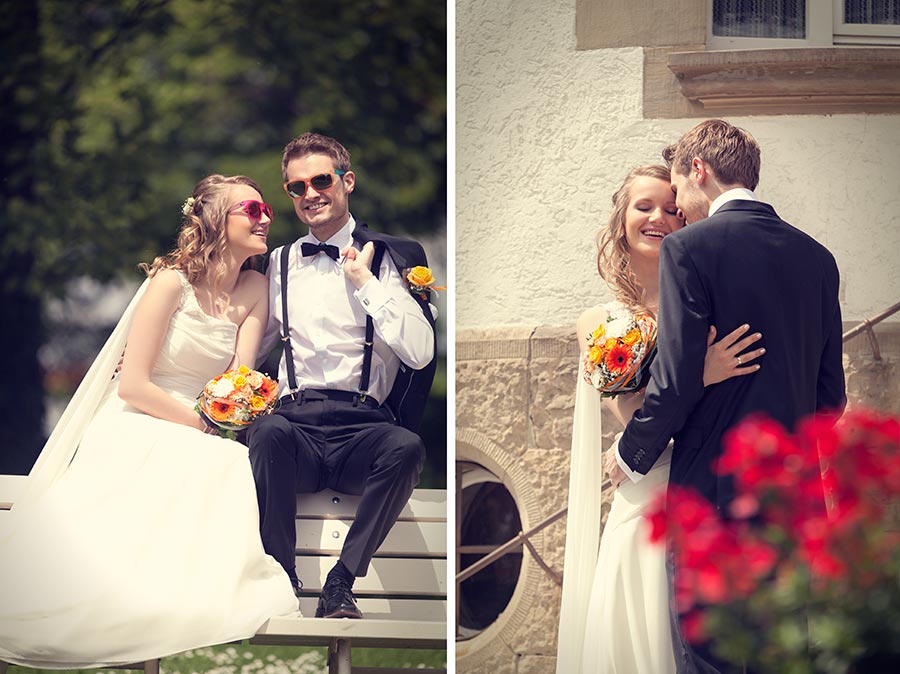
x=298, y=588
x=337, y=601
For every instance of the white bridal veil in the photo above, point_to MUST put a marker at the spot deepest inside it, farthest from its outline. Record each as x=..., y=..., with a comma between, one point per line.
x=582, y=526
x=63, y=442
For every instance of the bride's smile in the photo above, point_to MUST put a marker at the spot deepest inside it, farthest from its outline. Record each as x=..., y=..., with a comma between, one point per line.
x=651, y=215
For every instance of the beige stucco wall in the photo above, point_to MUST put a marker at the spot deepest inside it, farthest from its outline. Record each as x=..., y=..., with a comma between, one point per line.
x=545, y=134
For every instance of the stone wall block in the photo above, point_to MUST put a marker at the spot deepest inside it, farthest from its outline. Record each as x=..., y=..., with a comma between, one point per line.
x=553, y=398
x=873, y=383
x=528, y=663
x=492, y=397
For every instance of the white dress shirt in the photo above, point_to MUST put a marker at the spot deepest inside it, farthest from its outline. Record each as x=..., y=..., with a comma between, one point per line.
x=738, y=193
x=327, y=318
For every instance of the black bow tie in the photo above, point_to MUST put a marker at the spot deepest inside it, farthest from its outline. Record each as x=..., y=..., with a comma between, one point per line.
x=315, y=248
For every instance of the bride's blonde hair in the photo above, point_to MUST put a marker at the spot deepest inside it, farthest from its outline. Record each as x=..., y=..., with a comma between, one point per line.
x=613, y=255
x=201, y=244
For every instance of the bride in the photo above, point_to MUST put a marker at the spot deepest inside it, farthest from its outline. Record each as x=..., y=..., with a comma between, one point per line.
x=145, y=543
x=615, y=615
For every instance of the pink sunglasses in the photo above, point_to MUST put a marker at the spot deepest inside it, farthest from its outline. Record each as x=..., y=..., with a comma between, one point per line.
x=254, y=209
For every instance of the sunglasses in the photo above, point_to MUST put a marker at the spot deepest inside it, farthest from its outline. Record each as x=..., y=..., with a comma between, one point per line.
x=254, y=209
x=323, y=181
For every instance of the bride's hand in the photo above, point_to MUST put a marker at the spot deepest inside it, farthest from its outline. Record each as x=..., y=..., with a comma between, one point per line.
x=728, y=357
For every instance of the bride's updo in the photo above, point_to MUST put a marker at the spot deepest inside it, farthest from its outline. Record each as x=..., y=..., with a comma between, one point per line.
x=201, y=244
x=613, y=255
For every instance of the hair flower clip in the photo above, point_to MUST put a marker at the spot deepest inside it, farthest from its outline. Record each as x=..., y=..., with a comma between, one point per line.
x=421, y=281
x=187, y=206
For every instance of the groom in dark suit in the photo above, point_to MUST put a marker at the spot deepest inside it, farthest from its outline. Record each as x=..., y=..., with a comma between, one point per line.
x=353, y=327
x=736, y=262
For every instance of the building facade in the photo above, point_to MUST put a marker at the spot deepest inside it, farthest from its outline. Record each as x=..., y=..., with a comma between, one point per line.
x=556, y=101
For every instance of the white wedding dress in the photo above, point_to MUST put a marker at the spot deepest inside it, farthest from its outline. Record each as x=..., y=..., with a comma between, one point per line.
x=147, y=544
x=614, y=617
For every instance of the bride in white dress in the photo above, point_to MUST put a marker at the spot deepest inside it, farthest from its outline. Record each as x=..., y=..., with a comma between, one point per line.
x=615, y=617
x=146, y=543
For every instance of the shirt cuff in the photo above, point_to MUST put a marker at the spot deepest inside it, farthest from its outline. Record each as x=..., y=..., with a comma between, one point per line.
x=633, y=475
x=372, y=296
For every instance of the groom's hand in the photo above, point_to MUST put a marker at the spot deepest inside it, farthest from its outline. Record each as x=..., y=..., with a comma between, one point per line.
x=357, y=262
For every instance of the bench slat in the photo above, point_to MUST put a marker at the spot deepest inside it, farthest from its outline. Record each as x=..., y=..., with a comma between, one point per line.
x=377, y=608
x=10, y=487
x=425, y=505
x=366, y=633
x=406, y=539
x=410, y=577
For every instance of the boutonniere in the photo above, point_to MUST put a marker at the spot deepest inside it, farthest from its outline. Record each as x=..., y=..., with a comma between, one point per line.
x=421, y=281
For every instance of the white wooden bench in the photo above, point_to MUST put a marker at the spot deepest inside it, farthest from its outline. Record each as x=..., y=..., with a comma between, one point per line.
x=403, y=597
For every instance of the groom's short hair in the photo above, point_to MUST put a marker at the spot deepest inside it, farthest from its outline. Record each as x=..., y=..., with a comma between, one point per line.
x=732, y=153
x=315, y=143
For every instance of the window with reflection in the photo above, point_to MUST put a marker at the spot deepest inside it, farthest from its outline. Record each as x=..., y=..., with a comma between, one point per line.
x=488, y=518
x=750, y=24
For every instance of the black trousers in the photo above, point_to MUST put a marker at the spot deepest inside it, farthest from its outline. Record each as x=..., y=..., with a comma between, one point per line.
x=316, y=443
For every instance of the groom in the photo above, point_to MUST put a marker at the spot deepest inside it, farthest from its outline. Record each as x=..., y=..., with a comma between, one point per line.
x=735, y=262
x=351, y=329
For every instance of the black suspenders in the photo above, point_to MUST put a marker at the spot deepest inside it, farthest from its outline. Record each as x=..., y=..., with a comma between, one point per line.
x=285, y=329
x=370, y=332
x=286, y=333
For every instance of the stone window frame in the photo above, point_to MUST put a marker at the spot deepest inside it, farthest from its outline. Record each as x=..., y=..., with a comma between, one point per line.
x=684, y=79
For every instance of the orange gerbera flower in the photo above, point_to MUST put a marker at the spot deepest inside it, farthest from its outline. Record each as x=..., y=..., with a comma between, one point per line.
x=221, y=409
x=619, y=359
x=268, y=388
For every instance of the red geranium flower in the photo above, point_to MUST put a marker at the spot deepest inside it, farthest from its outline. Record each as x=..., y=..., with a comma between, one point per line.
x=692, y=627
x=810, y=530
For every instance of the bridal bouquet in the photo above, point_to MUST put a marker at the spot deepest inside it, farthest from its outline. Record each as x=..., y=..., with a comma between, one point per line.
x=618, y=356
x=813, y=534
x=235, y=399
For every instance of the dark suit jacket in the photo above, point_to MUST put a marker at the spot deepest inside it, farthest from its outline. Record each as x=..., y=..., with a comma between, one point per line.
x=409, y=393
x=741, y=265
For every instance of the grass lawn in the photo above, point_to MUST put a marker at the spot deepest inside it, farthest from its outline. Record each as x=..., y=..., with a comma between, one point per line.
x=246, y=659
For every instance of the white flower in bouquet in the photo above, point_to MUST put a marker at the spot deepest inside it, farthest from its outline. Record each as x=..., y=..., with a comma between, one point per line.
x=222, y=388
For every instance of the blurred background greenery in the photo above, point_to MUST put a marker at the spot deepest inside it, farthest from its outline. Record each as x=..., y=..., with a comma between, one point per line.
x=113, y=109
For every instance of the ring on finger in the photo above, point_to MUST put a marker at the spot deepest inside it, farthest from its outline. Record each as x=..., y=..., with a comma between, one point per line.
x=739, y=360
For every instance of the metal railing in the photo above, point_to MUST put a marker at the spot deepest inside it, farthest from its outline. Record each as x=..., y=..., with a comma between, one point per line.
x=523, y=537
x=866, y=327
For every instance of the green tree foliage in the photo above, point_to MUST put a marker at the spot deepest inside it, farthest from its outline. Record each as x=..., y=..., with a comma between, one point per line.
x=113, y=109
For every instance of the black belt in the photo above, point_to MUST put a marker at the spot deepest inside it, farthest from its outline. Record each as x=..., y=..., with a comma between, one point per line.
x=308, y=395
